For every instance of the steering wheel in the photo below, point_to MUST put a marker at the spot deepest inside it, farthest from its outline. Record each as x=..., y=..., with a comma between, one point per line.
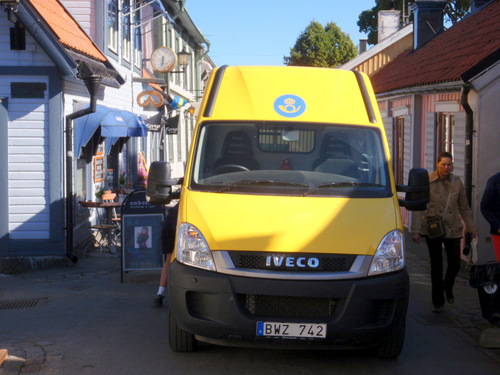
x=227, y=168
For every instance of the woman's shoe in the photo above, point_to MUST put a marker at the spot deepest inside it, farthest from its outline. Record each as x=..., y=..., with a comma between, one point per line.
x=449, y=297
x=437, y=309
x=158, y=301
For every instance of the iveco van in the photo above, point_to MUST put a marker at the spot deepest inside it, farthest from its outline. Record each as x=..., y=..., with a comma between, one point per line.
x=289, y=229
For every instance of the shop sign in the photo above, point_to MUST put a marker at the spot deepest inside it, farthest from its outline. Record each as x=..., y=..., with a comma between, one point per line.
x=150, y=97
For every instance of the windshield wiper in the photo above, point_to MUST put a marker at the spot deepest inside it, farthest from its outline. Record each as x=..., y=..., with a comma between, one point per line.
x=259, y=182
x=328, y=185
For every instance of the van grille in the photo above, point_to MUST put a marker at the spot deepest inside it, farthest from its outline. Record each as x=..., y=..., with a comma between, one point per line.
x=281, y=307
x=327, y=262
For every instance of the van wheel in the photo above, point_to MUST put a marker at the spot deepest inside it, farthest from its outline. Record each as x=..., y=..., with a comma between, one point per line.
x=178, y=339
x=391, y=346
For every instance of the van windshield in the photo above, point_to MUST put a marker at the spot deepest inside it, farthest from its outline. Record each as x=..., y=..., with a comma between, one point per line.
x=290, y=159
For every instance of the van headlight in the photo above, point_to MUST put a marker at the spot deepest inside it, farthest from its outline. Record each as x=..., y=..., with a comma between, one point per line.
x=192, y=249
x=389, y=256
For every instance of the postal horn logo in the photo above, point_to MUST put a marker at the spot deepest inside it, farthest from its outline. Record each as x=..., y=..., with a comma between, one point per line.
x=289, y=105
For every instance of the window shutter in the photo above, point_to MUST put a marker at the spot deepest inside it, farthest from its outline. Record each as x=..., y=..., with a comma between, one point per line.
x=459, y=145
x=388, y=126
x=430, y=140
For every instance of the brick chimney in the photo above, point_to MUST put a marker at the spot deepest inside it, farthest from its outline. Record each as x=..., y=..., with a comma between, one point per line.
x=363, y=43
x=427, y=20
x=388, y=23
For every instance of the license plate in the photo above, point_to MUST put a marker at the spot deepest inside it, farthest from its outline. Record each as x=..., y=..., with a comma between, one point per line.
x=280, y=329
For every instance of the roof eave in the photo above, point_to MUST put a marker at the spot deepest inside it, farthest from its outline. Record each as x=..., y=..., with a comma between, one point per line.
x=65, y=58
x=184, y=21
x=379, y=47
x=431, y=88
x=481, y=66
x=45, y=37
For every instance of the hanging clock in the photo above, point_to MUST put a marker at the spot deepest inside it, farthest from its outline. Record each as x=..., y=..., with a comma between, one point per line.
x=163, y=59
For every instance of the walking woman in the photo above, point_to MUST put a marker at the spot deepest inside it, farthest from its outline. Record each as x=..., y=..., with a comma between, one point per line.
x=448, y=202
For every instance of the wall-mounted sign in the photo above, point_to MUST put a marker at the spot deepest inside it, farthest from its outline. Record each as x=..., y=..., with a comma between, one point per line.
x=172, y=125
x=150, y=97
x=156, y=122
x=154, y=128
x=98, y=168
x=25, y=90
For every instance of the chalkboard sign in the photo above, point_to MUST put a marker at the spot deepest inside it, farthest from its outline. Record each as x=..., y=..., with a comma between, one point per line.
x=98, y=168
x=141, y=233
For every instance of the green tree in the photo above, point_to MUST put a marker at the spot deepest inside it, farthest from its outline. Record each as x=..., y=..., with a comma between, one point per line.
x=454, y=11
x=320, y=46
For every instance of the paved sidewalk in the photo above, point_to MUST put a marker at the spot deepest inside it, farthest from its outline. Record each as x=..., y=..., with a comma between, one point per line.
x=44, y=357
x=465, y=313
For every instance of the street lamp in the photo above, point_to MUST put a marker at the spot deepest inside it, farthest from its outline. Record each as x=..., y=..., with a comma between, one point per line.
x=10, y=4
x=183, y=58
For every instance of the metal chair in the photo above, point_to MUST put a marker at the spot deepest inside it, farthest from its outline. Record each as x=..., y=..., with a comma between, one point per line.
x=101, y=228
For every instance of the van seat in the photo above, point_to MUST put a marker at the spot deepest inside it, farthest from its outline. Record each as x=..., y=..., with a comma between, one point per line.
x=335, y=157
x=237, y=149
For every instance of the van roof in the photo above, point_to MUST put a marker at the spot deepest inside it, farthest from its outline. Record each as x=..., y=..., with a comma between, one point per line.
x=299, y=94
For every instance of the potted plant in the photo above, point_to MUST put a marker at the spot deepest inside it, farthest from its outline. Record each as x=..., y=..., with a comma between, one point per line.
x=99, y=193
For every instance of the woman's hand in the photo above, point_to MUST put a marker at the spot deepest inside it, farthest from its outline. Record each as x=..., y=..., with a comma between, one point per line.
x=416, y=238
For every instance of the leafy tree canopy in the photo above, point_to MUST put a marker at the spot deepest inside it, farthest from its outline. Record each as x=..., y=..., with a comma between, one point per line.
x=454, y=11
x=320, y=46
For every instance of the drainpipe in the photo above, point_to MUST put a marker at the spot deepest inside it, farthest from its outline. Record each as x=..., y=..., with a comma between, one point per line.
x=469, y=130
x=206, y=51
x=182, y=2
x=92, y=83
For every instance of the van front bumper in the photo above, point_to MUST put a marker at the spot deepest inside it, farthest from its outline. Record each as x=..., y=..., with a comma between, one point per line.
x=224, y=309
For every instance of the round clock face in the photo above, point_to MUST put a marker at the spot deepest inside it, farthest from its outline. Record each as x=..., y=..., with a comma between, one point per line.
x=163, y=59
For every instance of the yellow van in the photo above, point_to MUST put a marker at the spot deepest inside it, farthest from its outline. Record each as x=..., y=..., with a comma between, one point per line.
x=289, y=230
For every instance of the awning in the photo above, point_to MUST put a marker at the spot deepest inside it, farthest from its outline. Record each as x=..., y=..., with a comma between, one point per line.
x=109, y=123
x=136, y=127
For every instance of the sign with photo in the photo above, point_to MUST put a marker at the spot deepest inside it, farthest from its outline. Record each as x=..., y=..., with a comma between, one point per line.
x=141, y=233
x=142, y=242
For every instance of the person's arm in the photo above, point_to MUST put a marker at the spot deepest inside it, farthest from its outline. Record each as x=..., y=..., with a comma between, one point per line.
x=416, y=225
x=465, y=211
x=489, y=201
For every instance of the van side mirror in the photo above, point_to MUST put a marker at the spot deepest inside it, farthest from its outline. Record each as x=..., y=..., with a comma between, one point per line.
x=159, y=189
x=417, y=190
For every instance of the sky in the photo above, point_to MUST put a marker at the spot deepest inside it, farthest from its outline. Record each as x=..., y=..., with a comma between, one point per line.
x=262, y=32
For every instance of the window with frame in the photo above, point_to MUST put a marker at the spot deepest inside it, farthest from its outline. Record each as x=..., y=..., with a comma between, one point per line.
x=113, y=25
x=445, y=133
x=137, y=35
x=126, y=29
x=399, y=149
x=81, y=180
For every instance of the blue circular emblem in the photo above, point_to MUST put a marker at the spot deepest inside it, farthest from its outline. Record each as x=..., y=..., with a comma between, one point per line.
x=289, y=105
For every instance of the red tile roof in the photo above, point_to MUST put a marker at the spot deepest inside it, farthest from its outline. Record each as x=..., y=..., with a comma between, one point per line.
x=446, y=56
x=65, y=27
